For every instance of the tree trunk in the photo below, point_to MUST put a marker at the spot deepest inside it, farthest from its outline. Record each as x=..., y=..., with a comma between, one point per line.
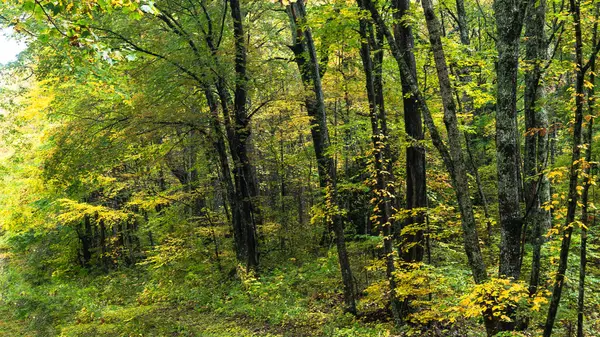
x=103, y=251
x=573, y=175
x=86, y=238
x=537, y=185
x=245, y=178
x=463, y=25
x=315, y=105
x=454, y=136
x=467, y=106
x=584, y=212
x=230, y=193
x=416, y=196
x=587, y=176
x=454, y=164
x=379, y=139
x=509, y=20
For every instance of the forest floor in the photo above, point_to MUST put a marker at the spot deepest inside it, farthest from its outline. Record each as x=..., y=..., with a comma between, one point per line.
x=172, y=294
x=179, y=301
x=182, y=320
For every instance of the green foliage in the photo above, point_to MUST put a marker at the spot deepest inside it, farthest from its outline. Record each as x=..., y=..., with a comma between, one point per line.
x=120, y=183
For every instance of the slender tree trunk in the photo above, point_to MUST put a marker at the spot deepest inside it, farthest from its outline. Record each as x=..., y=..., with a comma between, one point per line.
x=379, y=139
x=475, y=172
x=230, y=193
x=245, y=214
x=454, y=136
x=86, y=238
x=573, y=175
x=453, y=159
x=467, y=105
x=103, y=251
x=587, y=176
x=537, y=186
x=416, y=196
x=585, y=220
x=463, y=24
x=509, y=20
x=315, y=104
x=246, y=179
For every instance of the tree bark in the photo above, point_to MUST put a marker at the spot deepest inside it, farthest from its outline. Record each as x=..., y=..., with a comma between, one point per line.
x=87, y=242
x=584, y=213
x=509, y=20
x=379, y=139
x=230, y=193
x=586, y=190
x=453, y=159
x=303, y=45
x=537, y=185
x=102, y=242
x=454, y=136
x=244, y=173
x=573, y=175
x=463, y=25
x=416, y=196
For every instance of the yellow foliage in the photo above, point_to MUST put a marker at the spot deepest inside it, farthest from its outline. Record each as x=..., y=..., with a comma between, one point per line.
x=75, y=212
x=497, y=298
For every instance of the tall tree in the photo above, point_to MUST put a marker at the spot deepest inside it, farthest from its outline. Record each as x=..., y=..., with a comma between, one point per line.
x=537, y=185
x=372, y=62
x=509, y=22
x=204, y=50
x=588, y=179
x=245, y=178
x=585, y=217
x=308, y=64
x=450, y=119
x=452, y=157
x=581, y=69
x=416, y=196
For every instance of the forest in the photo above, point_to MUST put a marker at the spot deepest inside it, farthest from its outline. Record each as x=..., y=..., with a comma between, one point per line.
x=291, y=168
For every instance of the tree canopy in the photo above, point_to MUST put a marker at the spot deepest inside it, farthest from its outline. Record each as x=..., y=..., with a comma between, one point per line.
x=299, y=168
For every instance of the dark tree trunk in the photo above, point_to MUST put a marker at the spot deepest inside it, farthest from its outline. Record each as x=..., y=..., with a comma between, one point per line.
x=103, y=251
x=244, y=173
x=416, y=196
x=573, y=175
x=245, y=214
x=453, y=160
x=537, y=186
x=86, y=238
x=584, y=211
x=463, y=25
x=379, y=139
x=587, y=176
x=225, y=170
x=509, y=20
x=303, y=46
x=454, y=165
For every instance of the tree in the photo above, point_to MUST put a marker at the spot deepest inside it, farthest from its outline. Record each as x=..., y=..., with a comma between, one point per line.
x=581, y=69
x=381, y=155
x=305, y=56
x=537, y=186
x=509, y=21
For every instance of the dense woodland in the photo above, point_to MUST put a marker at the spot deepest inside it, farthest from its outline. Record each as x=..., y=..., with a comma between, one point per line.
x=300, y=168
